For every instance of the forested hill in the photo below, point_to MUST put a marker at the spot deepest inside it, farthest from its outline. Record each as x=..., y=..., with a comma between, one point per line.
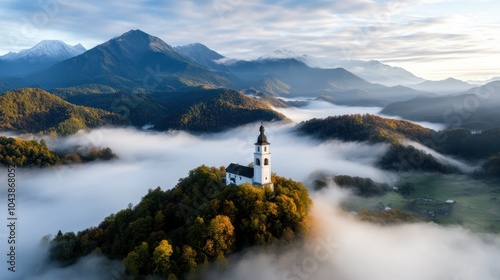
x=219, y=109
x=32, y=110
x=176, y=233
x=461, y=143
x=373, y=129
x=367, y=128
x=32, y=153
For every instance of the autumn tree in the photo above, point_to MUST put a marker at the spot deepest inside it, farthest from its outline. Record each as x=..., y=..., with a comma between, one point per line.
x=161, y=258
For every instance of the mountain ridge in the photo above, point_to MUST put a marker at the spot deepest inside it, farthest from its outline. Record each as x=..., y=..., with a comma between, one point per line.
x=134, y=59
x=44, y=54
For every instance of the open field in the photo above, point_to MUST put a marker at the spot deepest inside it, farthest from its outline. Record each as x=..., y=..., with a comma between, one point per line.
x=477, y=204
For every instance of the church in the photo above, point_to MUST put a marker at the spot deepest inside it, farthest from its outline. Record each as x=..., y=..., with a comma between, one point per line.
x=260, y=173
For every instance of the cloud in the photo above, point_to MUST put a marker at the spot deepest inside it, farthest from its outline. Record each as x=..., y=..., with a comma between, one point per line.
x=399, y=32
x=345, y=248
x=75, y=197
x=322, y=109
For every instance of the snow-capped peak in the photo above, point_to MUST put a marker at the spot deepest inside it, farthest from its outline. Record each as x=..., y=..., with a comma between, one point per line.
x=280, y=54
x=47, y=50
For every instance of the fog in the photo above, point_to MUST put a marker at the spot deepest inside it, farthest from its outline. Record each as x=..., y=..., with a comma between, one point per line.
x=323, y=109
x=347, y=249
x=75, y=197
x=462, y=166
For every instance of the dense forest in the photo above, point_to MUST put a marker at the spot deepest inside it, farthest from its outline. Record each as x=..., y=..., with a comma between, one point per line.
x=463, y=143
x=32, y=110
x=225, y=109
x=34, y=153
x=459, y=142
x=360, y=186
x=197, y=109
x=368, y=128
x=179, y=232
x=374, y=129
x=26, y=153
x=491, y=167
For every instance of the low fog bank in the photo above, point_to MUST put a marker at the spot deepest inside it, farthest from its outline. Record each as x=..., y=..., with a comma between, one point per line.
x=345, y=248
x=447, y=160
x=87, y=268
x=75, y=197
x=323, y=109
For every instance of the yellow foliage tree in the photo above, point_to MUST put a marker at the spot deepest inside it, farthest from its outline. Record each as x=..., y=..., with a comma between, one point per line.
x=161, y=258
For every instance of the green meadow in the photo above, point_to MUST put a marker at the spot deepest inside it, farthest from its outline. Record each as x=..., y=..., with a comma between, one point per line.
x=476, y=207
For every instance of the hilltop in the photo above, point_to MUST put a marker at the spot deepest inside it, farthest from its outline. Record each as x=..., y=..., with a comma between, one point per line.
x=178, y=232
x=217, y=110
x=374, y=129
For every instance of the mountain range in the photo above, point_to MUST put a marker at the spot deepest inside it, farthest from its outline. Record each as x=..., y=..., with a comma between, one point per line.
x=149, y=82
x=476, y=108
x=42, y=55
x=132, y=60
x=443, y=87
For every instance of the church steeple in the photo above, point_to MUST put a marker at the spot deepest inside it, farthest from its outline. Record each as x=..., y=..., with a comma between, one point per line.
x=262, y=159
x=262, y=139
x=260, y=173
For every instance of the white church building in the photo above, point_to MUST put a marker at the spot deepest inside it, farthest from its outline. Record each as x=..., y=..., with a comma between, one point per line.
x=260, y=173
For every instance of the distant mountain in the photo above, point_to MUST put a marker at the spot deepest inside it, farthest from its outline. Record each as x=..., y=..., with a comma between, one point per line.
x=37, y=111
x=138, y=62
x=291, y=77
x=301, y=79
x=54, y=50
x=373, y=71
x=42, y=55
x=132, y=60
x=475, y=109
x=202, y=55
x=483, y=82
x=447, y=86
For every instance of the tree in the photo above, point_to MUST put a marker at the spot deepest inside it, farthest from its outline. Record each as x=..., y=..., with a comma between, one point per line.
x=161, y=258
x=406, y=189
x=137, y=260
x=188, y=259
x=221, y=231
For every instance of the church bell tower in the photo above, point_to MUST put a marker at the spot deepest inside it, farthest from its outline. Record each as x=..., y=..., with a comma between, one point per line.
x=262, y=160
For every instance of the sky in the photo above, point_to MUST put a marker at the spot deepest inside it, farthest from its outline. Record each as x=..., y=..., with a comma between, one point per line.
x=434, y=39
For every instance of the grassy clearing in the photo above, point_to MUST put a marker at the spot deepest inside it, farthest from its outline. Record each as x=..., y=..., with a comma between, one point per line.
x=477, y=204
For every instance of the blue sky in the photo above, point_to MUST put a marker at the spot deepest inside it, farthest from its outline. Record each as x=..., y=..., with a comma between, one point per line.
x=434, y=39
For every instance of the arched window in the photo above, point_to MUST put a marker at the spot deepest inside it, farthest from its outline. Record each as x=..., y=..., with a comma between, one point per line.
x=257, y=161
x=265, y=149
x=266, y=161
x=258, y=149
